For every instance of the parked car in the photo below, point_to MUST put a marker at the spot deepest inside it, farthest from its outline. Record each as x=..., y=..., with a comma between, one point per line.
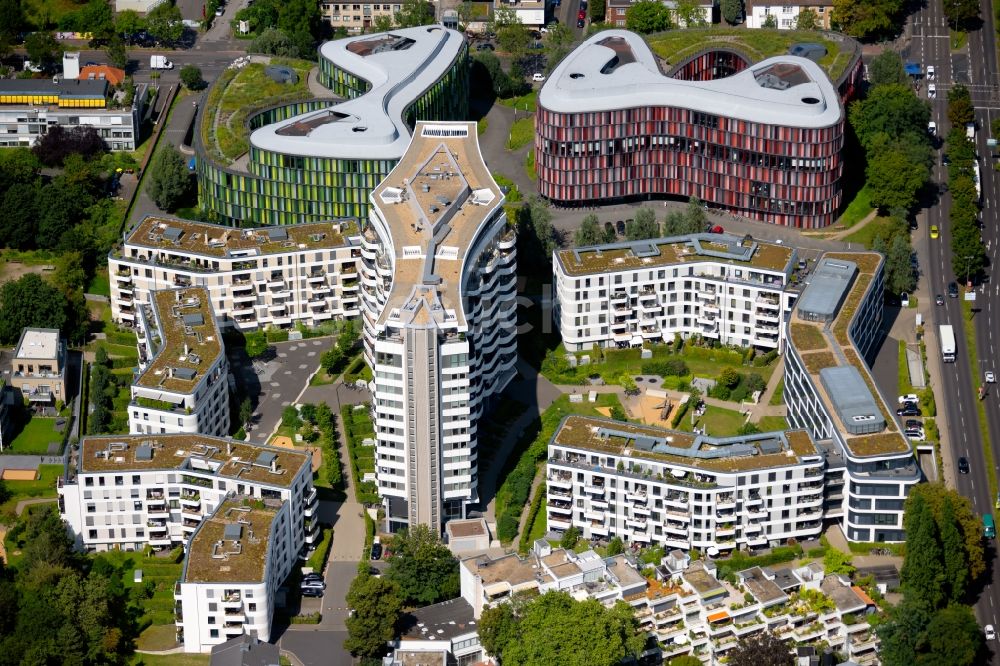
x=914, y=423
x=716, y=229
x=312, y=576
x=963, y=465
x=580, y=23
x=376, y=551
x=581, y=14
x=312, y=592
x=909, y=409
x=485, y=46
x=312, y=584
x=909, y=397
x=915, y=435
x=537, y=77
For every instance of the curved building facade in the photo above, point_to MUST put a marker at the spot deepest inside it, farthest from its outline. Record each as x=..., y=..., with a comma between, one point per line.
x=764, y=142
x=319, y=159
x=439, y=311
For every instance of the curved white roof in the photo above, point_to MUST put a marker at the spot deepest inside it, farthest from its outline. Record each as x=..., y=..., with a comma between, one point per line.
x=406, y=63
x=783, y=90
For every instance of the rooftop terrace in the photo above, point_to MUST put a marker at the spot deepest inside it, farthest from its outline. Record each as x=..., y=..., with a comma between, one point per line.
x=212, y=240
x=434, y=203
x=696, y=452
x=200, y=454
x=231, y=545
x=189, y=340
x=718, y=248
x=823, y=343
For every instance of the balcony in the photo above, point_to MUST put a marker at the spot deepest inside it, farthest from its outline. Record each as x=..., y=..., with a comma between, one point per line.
x=594, y=490
x=636, y=495
x=560, y=507
x=640, y=510
x=619, y=296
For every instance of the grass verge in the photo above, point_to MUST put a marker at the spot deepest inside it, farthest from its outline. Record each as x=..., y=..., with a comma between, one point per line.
x=779, y=394
x=522, y=132
x=984, y=430
x=526, y=102
x=858, y=209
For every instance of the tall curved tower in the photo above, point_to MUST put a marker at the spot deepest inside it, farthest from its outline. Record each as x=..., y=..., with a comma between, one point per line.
x=439, y=311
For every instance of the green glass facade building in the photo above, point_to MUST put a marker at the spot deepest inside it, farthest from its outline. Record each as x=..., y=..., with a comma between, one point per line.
x=319, y=159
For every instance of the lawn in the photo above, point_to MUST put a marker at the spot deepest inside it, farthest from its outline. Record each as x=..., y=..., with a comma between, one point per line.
x=772, y=423
x=866, y=234
x=158, y=637
x=719, y=422
x=162, y=573
x=43, y=486
x=526, y=102
x=778, y=398
x=859, y=207
x=529, y=166
x=179, y=659
x=99, y=284
x=36, y=436
x=522, y=132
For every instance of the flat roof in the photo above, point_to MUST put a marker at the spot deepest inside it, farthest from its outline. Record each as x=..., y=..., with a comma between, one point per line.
x=717, y=248
x=211, y=456
x=434, y=205
x=38, y=343
x=213, y=240
x=443, y=621
x=615, y=69
x=215, y=556
x=472, y=527
x=830, y=281
x=704, y=584
x=507, y=569
x=843, y=596
x=399, y=65
x=823, y=342
x=686, y=450
x=189, y=340
x=68, y=88
x=765, y=590
x=855, y=406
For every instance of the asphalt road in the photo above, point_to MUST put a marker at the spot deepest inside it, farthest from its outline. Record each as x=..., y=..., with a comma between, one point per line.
x=956, y=395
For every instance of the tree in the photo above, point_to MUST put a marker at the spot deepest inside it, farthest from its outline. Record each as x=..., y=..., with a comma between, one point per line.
x=536, y=239
x=59, y=142
x=864, y=19
x=559, y=39
x=836, y=562
x=748, y=429
x=646, y=16
x=164, y=22
x=376, y=605
x=616, y=546
x=890, y=109
x=12, y=20
x=598, y=9
x=967, y=519
x=43, y=50
x=97, y=18
x=273, y=41
x=290, y=417
x=600, y=636
x=887, y=67
x=382, y=23
x=423, y=567
x=761, y=649
x=169, y=181
x=732, y=11
x=643, y=226
x=899, y=265
x=729, y=377
x=922, y=574
x=413, y=13
x=255, y=343
x=570, y=537
x=961, y=12
x=116, y=52
x=688, y=14
x=29, y=301
x=894, y=180
x=512, y=36
x=960, y=109
x=900, y=633
x=807, y=20
x=191, y=77
x=497, y=628
x=770, y=21
x=955, y=567
x=953, y=637
x=128, y=22
x=246, y=411
x=589, y=233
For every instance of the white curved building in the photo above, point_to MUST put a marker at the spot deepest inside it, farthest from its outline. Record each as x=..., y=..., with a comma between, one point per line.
x=438, y=302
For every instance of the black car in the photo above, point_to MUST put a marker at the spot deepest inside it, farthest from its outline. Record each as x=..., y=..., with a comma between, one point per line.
x=376, y=551
x=953, y=290
x=312, y=576
x=580, y=23
x=963, y=465
x=908, y=409
x=312, y=592
x=583, y=5
x=486, y=46
x=914, y=423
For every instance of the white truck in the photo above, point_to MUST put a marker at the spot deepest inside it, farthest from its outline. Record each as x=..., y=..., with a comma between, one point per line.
x=970, y=131
x=160, y=62
x=947, y=335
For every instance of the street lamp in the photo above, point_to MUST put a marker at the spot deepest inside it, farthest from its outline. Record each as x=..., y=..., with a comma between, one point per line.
x=968, y=265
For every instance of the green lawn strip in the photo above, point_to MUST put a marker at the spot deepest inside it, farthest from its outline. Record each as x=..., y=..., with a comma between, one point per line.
x=36, y=436
x=903, y=370
x=357, y=427
x=536, y=515
x=43, y=486
x=526, y=102
x=178, y=659
x=157, y=637
x=858, y=209
x=984, y=429
x=778, y=398
x=481, y=125
x=957, y=39
x=866, y=234
x=772, y=423
x=719, y=422
x=100, y=285
x=522, y=132
x=864, y=548
x=529, y=450
x=529, y=166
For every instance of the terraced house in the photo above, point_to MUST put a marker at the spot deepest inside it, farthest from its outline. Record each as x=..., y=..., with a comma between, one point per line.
x=183, y=381
x=272, y=276
x=133, y=491
x=439, y=312
x=315, y=152
x=732, y=289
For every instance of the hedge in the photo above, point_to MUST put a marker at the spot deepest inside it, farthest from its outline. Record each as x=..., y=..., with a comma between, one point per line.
x=682, y=409
x=319, y=556
x=738, y=561
x=536, y=505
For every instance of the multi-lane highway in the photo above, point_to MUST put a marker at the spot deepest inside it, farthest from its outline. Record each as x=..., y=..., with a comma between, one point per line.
x=956, y=392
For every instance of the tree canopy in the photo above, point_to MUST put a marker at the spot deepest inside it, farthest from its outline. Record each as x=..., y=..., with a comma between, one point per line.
x=646, y=16
x=866, y=19
x=168, y=181
x=761, y=649
x=887, y=67
x=643, y=226
x=423, y=567
x=556, y=629
x=732, y=11
x=376, y=605
x=29, y=301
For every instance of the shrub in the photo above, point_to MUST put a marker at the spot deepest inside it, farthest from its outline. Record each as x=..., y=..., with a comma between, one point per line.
x=765, y=359
x=729, y=378
x=679, y=414
x=507, y=527
x=533, y=515
x=719, y=391
x=754, y=382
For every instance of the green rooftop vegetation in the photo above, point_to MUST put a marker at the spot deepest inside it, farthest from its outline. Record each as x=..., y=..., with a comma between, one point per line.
x=807, y=337
x=757, y=45
x=238, y=94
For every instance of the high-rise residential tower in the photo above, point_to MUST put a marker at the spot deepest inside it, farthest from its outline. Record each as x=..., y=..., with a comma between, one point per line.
x=438, y=303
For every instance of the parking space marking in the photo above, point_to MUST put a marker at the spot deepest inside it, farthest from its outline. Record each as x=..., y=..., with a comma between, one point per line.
x=312, y=353
x=282, y=355
x=303, y=366
x=275, y=384
x=286, y=403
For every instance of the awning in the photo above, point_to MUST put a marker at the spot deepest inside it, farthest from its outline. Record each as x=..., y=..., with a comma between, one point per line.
x=913, y=68
x=716, y=617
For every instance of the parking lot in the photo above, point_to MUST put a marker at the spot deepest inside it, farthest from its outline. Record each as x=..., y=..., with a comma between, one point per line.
x=277, y=380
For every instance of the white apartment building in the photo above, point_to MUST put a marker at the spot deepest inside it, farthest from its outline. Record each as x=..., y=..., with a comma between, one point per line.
x=182, y=385
x=236, y=560
x=829, y=390
x=268, y=276
x=38, y=367
x=438, y=303
x=786, y=13
x=131, y=491
x=648, y=486
x=357, y=17
x=728, y=288
x=445, y=633
x=685, y=607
